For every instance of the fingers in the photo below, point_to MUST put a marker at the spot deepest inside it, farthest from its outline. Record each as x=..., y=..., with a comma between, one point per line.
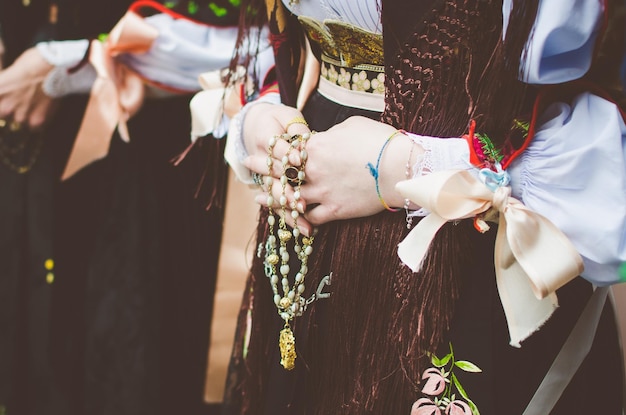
x=319, y=215
x=40, y=112
x=297, y=125
x=291, y=211
x=277, y=197
x=285, y=149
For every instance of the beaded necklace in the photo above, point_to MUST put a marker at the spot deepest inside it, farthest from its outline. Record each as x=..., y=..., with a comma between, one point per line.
x=289, y=302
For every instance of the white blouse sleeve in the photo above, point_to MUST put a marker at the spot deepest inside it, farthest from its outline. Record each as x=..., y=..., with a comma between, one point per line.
x=562, y=40
x=181, y=52
x=574, y=173
x=235, y=150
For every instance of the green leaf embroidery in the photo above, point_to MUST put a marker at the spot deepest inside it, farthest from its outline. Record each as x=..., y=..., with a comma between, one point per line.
x=467, y=366
x=445, y=366
x=490, y=151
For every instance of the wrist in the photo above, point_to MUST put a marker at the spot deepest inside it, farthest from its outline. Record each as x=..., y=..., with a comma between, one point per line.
x=394, y=163
x=397, y=165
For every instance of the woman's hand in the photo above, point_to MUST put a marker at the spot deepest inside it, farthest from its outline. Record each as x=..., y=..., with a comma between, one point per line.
x=339, y=181
x=22, y=101
x=265, y=122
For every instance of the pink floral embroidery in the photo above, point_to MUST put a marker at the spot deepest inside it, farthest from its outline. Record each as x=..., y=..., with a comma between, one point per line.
x=425, y=406
x=442, y=385
x=435, y=382
x=458, y=408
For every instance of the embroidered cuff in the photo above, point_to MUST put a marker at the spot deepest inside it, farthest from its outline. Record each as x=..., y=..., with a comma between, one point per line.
x=64, y=55
x=439, y=154
x=235, y=151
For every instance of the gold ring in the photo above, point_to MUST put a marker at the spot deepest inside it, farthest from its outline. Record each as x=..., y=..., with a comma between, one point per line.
x=296, y=120
x=257, y=179
x=15, y=126
x=292, y=175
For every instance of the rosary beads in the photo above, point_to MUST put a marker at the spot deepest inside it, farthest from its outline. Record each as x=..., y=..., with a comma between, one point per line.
x=289, y=301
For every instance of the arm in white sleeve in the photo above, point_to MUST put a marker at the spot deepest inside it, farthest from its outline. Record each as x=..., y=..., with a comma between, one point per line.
x=64, y=55
x=574, y=173
x=181, y=52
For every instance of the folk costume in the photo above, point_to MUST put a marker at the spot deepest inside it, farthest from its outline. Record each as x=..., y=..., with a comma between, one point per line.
x=132, y=253
x=385, y=329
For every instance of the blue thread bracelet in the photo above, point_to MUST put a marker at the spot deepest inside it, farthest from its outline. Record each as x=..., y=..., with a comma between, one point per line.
x=375, y=173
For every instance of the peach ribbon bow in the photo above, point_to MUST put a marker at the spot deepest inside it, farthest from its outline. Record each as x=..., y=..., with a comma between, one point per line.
x=532, y=257
x=215, y=100
x=116, y=94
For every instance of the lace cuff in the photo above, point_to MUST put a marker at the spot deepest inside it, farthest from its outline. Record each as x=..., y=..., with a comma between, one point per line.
x=64, y=55
x=235, y=151
x=439, y=154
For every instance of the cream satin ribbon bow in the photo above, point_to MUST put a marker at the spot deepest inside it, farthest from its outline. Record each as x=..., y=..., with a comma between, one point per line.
x=532, y=257
x=214, y=101
x=116, y=94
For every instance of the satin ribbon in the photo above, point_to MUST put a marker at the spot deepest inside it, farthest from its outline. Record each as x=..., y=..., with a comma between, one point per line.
x=116, y=94
x=214, y=101
x=532, y=257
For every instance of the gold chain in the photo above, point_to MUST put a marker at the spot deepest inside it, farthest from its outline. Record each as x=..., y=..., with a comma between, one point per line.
x=27, y=144
x=290, y=303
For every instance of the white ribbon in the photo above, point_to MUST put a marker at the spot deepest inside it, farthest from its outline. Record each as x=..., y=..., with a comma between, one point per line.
x=532, y=257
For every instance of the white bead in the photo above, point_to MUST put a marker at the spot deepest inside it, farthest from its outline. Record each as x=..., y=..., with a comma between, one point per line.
x=285, y=160
x=270, y=200
x=308, y=250
x=285, y=316
x=295, y=214
x=272, y=239
x=285, y=282
x=296, y=233
x=284, y=269
x=296, y=195
x=269, y=180
x=272, y=141
x=271, y=220
x=301, y=175
x=291, y=295
x=274, y=279
x=299, y=277
x=304, y=269
x=295, y=308
x=283, y=180
x=269, y=161
x=282, y=250
x=297, y=249
x=306, y=136
x=285, y=256
x=283, y=201
x=301, y=289
x=304, y=155
x=277, y=299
